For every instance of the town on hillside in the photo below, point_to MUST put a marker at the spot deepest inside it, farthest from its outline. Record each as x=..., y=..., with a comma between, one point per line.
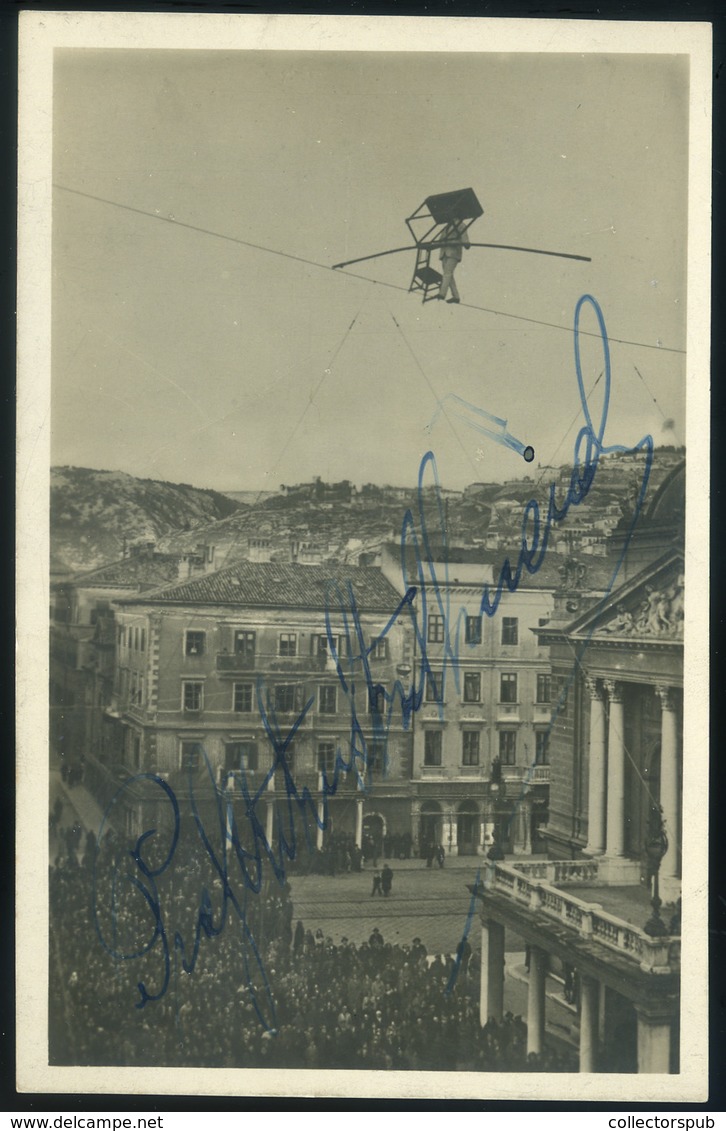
x=353, y=747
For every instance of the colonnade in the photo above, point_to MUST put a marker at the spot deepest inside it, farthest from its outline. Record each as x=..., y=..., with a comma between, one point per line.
x=606, y=791
x=653, y=1029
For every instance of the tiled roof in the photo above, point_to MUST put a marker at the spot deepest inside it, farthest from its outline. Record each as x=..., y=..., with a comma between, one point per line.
x=598, y=570
x=280, y=585
x=137, y=572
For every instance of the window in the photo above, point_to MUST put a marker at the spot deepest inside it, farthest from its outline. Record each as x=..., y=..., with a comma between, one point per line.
x=288, y=644
x=376, y=699
x=472, y=687
x=244, y=643
x=143, y=639
x=240, y=756
x=470, y=748
x=288, y=697
x=541, y=750
x=328, y=699
x=326, y=757
x=473, y=630
x=508, y=689
x=432, y=748
x=101, y=609
x=435, y=687
x=561, y=689
x=379, y=649
x=191, y=756
x=435, y=630
x=508, y=747
x=192, y=695
x=376, y=756
x=340, y=642
x=544, y=688
x=242, y=697
x=194, y=643
x=510, y=630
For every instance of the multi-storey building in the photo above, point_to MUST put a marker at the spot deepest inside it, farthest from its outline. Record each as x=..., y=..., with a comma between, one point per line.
x=482, y=730
x=82, y=649
x=260, y=665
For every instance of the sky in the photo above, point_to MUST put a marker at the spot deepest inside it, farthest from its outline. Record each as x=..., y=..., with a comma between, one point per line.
x=184, y=356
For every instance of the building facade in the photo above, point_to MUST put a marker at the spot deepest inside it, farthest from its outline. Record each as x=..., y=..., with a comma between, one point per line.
x=82, y=646
x=272, y=677
x=607, y=904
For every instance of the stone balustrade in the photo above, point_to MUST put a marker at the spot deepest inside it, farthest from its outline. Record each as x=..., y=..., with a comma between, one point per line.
x=532, y=884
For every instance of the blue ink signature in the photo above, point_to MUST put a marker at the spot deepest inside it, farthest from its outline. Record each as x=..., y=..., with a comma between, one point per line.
x=239, y=839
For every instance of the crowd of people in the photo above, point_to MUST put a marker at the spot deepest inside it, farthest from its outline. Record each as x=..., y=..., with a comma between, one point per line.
x=256, y=993
x=338, y=855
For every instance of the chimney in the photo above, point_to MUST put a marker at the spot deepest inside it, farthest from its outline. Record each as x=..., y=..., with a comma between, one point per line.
x=184, y=568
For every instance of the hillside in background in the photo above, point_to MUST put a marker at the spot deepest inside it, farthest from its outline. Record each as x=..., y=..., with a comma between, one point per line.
x=94, y=514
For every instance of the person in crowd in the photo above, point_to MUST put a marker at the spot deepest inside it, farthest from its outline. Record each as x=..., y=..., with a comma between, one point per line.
x=386, y=880
x=302, y=1002
x=377, y=890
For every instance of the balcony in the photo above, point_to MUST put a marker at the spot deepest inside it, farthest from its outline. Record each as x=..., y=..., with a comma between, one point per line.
x=233, y=664
x=291, y=664
x=531, y=887
x=230, y=663
x=532, y=775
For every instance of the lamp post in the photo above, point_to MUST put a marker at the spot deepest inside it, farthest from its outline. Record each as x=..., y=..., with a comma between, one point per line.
x=495, y=852
x=656, y=846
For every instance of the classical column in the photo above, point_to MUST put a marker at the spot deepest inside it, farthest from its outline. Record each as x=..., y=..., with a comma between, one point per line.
x=270, y=811
x=451, y=830
x=596, y=784
x=491, y=997
x=589, y=994
x=669, y=792
x=536, y=999
x=654, y=1043
x=415, y=820
x=359, y=822
x=521, y=827
x=615, y=832
x=321, y=815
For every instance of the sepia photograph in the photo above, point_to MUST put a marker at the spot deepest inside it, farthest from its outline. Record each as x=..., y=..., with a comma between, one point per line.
x=363, y=560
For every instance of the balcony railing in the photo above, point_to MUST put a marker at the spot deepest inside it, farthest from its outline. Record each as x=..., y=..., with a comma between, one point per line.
x=533, y=775
x=524, y=885
x=230, y=663
x=559, y=872
x=315, y=663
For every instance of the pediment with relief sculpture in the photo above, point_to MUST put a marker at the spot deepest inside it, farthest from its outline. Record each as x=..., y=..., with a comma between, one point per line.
x=649, y=607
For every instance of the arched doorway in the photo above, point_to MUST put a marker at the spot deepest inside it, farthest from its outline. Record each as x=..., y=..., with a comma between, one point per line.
x=374, y=831
x=467, y=828
x=429, y=827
